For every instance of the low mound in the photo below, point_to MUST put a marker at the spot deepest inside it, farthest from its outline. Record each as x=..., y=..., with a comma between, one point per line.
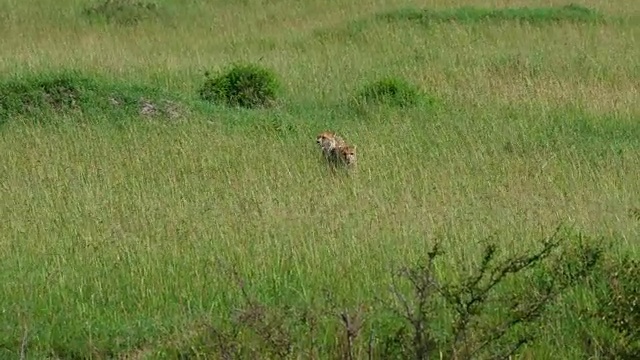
x=70, y=92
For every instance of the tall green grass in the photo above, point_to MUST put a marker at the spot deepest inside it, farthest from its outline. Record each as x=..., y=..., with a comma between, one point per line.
x=120, y=231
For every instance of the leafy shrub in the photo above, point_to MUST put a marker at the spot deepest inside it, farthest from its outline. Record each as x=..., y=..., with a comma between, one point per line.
x=390, y=91
x=247, y=86
x=485, y=323
x=122, y=12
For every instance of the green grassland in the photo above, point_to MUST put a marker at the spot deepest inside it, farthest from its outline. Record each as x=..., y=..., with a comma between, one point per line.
x=132, y=236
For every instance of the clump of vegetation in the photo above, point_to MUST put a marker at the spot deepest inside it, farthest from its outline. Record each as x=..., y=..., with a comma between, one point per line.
x=485, y=323
x=390, y=91
x=247, y=86
x=467, y=15
x=122, y=12
x=70, y=92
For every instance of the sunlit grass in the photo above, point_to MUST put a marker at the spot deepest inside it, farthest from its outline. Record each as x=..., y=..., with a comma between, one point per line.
x=118, y=237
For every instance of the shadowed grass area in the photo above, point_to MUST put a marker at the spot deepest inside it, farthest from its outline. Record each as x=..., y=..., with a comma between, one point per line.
x=123, y=12
x=469, y=15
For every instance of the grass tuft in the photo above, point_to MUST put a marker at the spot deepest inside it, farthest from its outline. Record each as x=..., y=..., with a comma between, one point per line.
x=390, y=91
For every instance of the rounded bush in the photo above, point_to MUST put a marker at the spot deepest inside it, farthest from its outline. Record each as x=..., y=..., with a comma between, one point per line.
x=390, y=91
x=247, y=86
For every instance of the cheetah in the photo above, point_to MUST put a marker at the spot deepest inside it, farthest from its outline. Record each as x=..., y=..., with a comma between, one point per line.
x=335, y=149
x=329, y=142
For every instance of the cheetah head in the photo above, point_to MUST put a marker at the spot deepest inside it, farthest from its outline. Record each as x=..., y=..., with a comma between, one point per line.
x=348, y=154
x=326, y=139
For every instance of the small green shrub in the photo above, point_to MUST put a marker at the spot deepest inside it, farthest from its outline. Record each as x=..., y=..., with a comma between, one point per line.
x=248, y=86
x=390, y=91
x=122, y=12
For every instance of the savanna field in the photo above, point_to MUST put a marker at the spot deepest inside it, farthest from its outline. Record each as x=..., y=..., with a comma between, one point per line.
x=494, y=211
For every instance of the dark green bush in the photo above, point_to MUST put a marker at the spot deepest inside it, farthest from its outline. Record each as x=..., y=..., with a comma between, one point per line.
x=390, y=91
x=247, y=86
x=122, y=12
